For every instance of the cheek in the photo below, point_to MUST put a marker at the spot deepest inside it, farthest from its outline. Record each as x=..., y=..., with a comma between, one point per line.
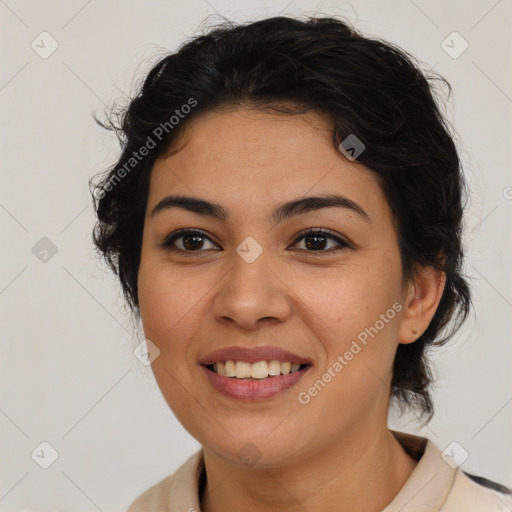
x=359, y=345
x=361, y=307
x=166, y=304
x=345, y=301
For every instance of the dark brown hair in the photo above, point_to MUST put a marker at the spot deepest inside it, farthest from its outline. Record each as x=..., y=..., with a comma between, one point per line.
x=366, y=87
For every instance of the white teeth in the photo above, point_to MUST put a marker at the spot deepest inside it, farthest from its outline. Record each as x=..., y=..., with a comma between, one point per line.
x=242, y=370
x=258, y=370
x=219, y=368
x=230, y=369
x=285, y=368
x=274, y=368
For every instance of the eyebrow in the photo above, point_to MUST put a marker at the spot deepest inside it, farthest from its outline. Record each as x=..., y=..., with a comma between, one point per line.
x=279, y=214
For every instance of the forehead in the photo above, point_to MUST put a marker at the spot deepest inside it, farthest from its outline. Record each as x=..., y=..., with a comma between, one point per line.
x=251, y=160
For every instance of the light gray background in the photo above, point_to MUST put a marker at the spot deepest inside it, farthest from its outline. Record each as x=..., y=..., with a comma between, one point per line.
x=68, y=374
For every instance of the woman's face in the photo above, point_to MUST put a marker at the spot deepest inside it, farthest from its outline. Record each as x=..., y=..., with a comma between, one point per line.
x=251, y=280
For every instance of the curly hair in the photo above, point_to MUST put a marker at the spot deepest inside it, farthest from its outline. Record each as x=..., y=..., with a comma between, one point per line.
x=364, y=86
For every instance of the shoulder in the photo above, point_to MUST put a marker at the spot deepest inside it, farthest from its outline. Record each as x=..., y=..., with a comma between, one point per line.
x=155, y=499
x=178, y=491
x=473, y=493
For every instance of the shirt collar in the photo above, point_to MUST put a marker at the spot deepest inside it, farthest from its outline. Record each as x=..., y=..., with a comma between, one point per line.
x=425, y=490
x=431, y=481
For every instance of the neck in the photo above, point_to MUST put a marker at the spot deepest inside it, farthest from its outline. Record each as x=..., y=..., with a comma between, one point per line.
x=364, y=471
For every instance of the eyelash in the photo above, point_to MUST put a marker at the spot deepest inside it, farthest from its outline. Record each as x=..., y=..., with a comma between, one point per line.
x=167, y=243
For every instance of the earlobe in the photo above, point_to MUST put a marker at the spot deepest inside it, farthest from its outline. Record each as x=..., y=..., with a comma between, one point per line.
x=422, y=299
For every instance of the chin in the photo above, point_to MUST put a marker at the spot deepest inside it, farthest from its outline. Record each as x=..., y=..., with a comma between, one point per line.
x=255, y=451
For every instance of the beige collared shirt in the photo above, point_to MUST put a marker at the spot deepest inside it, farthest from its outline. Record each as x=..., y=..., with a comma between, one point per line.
x=434, y=486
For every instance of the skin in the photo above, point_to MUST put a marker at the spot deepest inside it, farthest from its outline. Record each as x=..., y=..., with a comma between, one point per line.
x=310, y=456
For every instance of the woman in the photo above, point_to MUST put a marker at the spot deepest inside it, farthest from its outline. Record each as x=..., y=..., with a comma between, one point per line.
x=285, y=220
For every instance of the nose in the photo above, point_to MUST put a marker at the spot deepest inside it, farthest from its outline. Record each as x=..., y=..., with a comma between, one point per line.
x=251, y=294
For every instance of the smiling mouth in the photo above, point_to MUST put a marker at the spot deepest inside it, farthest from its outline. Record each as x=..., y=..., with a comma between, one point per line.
x=261, y=370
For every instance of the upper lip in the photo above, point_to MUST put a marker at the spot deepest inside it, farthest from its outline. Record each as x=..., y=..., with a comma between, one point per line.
x=253, y=355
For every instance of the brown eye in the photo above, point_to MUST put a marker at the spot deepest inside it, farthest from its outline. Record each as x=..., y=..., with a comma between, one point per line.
x=191, y=241
x=317, y=240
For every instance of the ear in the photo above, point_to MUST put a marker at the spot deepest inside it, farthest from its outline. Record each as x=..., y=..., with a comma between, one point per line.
x=420, y=304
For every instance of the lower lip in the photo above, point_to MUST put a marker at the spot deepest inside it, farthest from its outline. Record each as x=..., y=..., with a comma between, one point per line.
x=251, y=390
